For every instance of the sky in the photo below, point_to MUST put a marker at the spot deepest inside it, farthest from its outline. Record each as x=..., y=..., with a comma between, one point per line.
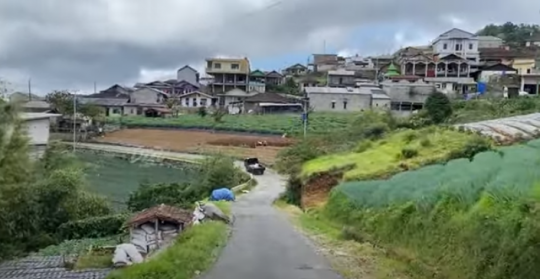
x=61, y=44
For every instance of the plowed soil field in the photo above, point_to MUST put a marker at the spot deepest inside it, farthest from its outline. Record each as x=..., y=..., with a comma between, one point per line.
x=240, y=146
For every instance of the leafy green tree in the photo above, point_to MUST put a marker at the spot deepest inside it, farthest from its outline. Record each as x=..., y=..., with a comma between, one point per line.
x=513, y=34
x=438, y=107
x=61, y=100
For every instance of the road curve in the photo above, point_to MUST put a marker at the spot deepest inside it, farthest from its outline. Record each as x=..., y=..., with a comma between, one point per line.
x=263, y=245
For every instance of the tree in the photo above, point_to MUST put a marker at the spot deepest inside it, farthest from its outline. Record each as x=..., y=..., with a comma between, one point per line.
x=515, y=35
x=289, y=87
x=96, y=113
x=61, y=100
x=438, y=107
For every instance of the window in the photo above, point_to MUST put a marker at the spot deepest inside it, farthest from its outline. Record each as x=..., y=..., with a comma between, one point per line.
x=187, y=102
x=344, y=104
x=445, y=46
x=235, y=66
x=116, y=111
x=459, y=47
x=203, y=102
x=470, y=46
x=194, y=100
x=217, y=66
x=333, y=104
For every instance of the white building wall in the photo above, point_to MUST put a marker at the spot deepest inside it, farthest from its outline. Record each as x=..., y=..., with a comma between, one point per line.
x=38, y=131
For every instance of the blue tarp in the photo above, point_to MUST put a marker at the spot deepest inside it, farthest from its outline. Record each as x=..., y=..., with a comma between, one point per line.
x=481, y=87
x=222, y=194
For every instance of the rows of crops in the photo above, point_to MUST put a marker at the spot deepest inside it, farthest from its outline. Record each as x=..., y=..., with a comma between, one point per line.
x=508, y=171
x=116, y=177
x=266, y=124
x=465, y=219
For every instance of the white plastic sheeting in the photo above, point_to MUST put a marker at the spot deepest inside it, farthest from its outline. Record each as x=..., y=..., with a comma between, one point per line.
x=507, y=129
x=126, y=254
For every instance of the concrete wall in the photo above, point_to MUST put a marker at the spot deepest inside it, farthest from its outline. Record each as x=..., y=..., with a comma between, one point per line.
x=383, y=104
x=345, y=80
x=355, y=102
x=404, y=91
x=38, y=131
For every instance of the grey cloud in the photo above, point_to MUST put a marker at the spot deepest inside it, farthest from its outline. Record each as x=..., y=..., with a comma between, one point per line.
x=63, y=44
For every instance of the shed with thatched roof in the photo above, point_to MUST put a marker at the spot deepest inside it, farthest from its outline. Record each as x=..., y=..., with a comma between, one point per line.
x=154, y=227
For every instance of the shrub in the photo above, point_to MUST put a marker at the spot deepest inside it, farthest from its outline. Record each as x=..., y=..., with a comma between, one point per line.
x=363, y=146
x=214, y=172
x=202, y=112
x=408, y=153
x=93, y=227
x=438, y=107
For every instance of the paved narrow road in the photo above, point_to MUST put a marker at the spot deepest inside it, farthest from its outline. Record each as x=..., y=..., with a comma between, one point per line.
x=263, y=244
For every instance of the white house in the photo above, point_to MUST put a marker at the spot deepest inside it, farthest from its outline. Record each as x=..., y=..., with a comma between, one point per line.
x=458, y=42
x=37, y=128
x=233, y=99
x=196, y=99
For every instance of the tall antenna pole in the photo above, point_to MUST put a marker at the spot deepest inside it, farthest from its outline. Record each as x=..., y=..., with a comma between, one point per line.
x=95, y=87
x=74, y=121
x=30, y=89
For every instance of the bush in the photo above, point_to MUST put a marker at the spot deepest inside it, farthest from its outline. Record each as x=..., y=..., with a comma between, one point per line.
x=93, y=227
x=408, y=153
x=149, y=195
x=438, y=107
x=193, y=251
x=214, y=173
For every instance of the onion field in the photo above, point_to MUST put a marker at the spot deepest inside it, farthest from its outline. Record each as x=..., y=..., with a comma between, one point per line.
x=116, y=177
x=464, y=219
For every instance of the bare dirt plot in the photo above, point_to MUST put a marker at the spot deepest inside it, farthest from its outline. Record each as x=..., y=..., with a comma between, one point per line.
x=200, y=142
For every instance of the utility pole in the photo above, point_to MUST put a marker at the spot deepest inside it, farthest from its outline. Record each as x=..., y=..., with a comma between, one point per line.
x=74, y=121
x=30, y=89
x=305, y=114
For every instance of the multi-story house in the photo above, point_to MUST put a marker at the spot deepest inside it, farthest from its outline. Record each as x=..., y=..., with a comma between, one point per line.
x=188, y=74
x=172, y=86
x=274, y=78
x=296, y=70
x=454, y=56
x=228, y=74
x=341, y=78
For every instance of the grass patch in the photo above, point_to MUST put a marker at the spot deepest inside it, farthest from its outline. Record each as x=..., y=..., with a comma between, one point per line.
x=399, y=151
x=350, y=258
x=94, y=260
x=193, y=252
x=319, y=123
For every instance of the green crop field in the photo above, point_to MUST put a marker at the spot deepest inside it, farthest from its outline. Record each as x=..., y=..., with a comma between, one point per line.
x=116, y=177
x=465, y=219
x=382, y=158
x=319, y=123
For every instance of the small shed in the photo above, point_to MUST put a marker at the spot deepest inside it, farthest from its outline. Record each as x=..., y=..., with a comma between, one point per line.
x=155, y=227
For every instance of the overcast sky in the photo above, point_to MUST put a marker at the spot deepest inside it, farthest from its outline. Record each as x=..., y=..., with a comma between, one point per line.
x=69, y=44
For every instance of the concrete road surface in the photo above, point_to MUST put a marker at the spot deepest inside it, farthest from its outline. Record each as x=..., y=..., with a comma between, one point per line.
x=263, y=245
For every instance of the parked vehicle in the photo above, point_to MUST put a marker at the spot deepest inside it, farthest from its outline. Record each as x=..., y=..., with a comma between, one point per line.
x=253, y=166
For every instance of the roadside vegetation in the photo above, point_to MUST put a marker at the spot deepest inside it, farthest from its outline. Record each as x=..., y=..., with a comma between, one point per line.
x=48, y=209
x=417, y=200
